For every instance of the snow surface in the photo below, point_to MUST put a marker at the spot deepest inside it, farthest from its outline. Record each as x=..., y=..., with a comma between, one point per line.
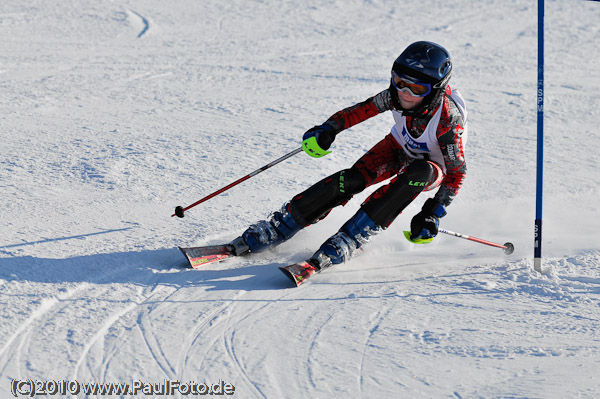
x=114, y=112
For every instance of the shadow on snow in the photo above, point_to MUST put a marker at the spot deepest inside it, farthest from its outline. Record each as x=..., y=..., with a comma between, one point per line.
x=146, y=268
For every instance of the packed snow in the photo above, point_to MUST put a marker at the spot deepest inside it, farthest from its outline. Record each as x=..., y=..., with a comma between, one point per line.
x=114, y=112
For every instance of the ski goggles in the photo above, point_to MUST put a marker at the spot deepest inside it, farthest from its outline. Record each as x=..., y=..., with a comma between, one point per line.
x=415, y=87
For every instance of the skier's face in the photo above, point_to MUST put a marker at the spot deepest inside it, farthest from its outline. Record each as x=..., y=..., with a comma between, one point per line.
x=407, y=100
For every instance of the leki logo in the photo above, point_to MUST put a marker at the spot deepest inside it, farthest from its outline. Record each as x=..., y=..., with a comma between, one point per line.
x=417, y=183
x=342, y=188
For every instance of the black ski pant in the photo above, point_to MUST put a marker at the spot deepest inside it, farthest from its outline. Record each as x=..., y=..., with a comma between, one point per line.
x=385, y=160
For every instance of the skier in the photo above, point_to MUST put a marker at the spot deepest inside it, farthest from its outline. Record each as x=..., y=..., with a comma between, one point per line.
x=424, y=151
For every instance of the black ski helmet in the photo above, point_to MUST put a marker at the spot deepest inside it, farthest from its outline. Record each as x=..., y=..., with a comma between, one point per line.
x=428, y=62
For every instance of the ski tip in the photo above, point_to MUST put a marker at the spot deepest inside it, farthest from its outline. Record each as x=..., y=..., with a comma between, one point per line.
x=291, y=276
x=200, y=256
x=299, y=272
x=183, y=251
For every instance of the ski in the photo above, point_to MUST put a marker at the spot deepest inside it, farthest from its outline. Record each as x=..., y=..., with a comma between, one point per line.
x=299, y=272
x=200, y=256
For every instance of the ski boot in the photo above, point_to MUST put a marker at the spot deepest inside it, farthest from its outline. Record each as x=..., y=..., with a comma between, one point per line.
x=341, y=246
x=265, y=234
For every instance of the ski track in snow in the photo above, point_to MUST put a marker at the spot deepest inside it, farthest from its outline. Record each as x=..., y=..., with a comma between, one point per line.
x=309, y=356
x=378, y=318
x=143, y=20
x=203, y=330
x=153, y=344
x=227, y=327
x=99, y=335
x=228, y=342
x=27, y=327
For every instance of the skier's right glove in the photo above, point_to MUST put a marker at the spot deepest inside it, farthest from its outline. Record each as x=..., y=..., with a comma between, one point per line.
x=317, y=140
x=424, y=225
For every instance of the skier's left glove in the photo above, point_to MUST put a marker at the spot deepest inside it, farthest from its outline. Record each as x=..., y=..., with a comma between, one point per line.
x=317, y=140
x=424, y=225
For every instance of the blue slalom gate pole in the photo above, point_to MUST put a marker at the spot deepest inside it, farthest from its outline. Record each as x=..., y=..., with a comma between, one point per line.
x=537, y=253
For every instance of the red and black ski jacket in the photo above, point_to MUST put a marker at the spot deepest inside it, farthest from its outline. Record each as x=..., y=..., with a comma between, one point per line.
x=449, y=134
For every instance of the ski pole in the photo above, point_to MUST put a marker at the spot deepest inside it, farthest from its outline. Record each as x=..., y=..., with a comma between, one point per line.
x=179, y=210
x=507, y=247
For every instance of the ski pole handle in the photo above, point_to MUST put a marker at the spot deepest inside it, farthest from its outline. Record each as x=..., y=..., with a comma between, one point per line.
x=508, y=247
x=179, y=211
